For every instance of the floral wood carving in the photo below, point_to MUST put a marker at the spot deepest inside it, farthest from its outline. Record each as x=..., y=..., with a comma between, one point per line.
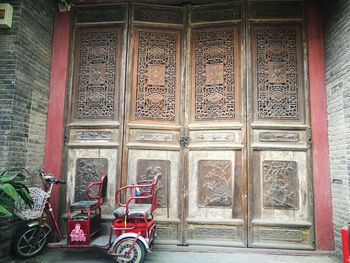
x=88, y=170
x=156, y=74
x=148, y=169
x=280, y=185
x=214, y=183
x=214, y=74
x=95, y=95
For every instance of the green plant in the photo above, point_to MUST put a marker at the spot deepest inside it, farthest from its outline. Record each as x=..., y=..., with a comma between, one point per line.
x=11, y=191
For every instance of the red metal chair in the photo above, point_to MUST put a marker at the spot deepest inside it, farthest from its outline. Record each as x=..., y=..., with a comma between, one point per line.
x=136, y=214
x=84, y=217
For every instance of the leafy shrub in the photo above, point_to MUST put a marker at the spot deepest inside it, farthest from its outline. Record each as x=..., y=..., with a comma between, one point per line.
x=11, y=190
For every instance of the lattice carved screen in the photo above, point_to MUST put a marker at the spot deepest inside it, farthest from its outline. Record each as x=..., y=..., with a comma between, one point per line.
x=156, y=75
x=214, y=74
x=96, y=79
x=276, y=59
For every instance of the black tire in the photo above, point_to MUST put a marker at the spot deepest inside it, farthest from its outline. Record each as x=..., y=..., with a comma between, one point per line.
x=29, y=242
x=137, y=254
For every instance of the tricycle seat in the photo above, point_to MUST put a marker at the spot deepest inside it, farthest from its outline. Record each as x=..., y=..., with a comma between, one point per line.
x=80, y=216
x=141, y=199
x=84, y=216
x=83, y=205
x=134, y=210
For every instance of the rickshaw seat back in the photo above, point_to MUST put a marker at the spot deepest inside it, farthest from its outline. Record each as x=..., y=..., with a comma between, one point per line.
x=142, y=205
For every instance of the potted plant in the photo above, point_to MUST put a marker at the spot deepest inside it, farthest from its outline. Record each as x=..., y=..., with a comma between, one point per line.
x=12, y=190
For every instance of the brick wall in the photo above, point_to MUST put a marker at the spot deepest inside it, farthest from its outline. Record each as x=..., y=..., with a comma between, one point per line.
x=337, y=52
x=25, y=58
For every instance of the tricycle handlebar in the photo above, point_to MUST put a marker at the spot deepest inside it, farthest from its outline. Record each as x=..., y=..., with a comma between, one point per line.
x=49, y=178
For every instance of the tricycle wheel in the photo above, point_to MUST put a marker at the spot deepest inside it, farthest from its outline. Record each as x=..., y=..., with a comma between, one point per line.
x=30, y=241
x=136, y=254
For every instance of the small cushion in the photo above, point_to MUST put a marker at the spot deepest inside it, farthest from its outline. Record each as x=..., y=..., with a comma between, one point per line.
x=83, y=205
x=134, y=210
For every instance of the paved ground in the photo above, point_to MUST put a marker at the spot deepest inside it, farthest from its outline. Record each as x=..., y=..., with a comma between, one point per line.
x=161, y=255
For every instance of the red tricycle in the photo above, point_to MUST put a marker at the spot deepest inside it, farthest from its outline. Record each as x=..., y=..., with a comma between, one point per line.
x=131, y=233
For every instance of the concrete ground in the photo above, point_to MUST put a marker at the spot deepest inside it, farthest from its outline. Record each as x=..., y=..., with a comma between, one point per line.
x=186, y=255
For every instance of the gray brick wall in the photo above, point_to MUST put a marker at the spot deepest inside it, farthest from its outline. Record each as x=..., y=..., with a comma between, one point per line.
x=337, y=55
x=25, y=59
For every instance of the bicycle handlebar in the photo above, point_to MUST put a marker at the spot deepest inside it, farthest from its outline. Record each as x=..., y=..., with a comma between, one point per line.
x=60, y=182
x=47, y=177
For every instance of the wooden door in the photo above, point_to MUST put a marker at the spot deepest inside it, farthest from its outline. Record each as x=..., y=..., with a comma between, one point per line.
x=185, y=119
x=280, y=188
x=154, y=113
x=94, y=124
x=215, y=202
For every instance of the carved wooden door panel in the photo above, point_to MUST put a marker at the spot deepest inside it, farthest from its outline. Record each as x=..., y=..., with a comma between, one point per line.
x=95, y=122
x=153, y=119
x=215, y=210
x=280, y=201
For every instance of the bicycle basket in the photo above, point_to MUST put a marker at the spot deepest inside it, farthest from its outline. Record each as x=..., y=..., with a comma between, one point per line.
x=39, y=197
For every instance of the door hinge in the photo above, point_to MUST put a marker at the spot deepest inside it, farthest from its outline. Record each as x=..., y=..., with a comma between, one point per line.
x=65, y=137
x=308, y=138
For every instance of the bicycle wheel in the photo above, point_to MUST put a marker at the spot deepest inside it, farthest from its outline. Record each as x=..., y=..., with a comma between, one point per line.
x=30, y=241
x=137, y=254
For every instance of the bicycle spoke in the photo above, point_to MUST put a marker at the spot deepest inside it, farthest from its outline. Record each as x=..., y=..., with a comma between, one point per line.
x=24, y=247
x=30, y=250
x=34, y=231
x=25, y=238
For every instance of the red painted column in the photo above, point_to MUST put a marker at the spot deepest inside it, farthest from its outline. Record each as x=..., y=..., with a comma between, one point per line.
x=319, y=130
x=345, y=244
x=58, y=84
